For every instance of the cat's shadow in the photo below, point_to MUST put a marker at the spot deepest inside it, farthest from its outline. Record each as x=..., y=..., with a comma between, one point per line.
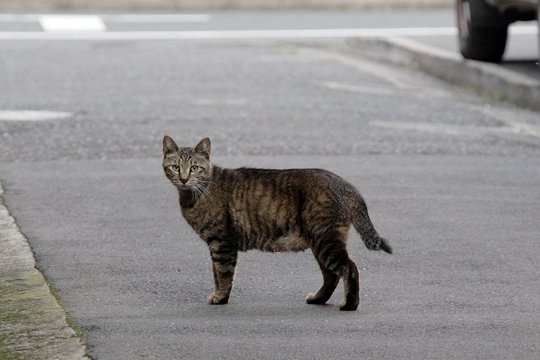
x=277, y=309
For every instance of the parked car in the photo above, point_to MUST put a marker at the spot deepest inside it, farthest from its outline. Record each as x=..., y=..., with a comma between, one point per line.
x=483, y=25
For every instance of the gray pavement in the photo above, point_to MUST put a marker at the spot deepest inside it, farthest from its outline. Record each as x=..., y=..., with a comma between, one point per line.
x=164, y=5
x=451, y=179
x=462, y=281
x=494, y=81
x=437, y=25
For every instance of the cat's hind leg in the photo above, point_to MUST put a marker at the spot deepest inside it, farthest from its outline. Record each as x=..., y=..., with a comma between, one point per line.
x=330, y=250
x=330, y=283
x=351, y=280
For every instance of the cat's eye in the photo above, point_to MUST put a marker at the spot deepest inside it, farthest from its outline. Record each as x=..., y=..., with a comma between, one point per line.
x=175, y=168
x=194, y=168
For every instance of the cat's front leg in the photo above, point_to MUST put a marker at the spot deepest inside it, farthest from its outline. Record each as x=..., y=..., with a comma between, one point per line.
x=224, y=256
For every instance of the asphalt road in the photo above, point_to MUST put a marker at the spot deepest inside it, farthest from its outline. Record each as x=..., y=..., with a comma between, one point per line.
x=432, y=27
x=451, y=180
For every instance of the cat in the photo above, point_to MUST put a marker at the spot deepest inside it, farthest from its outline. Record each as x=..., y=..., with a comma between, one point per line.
x=236, y=210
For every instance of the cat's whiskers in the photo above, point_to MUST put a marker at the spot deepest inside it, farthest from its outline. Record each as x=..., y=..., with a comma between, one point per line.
x=197, y=191
x=203, y=190
x=194, y=192
x=205, y=182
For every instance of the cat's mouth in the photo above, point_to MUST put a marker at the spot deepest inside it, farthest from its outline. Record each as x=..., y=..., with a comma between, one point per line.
x=182, y=186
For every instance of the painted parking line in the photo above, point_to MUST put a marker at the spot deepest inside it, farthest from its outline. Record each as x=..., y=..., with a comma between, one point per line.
x=32, y=115
x=71, y=23
x=120, y=18
x=156, y=18
x=246, y=34
x=227, y=34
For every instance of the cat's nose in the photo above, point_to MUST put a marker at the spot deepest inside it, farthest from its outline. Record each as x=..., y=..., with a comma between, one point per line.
x=183, y=180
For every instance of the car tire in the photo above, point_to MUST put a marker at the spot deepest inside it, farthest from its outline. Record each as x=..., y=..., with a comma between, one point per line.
x=482, y=31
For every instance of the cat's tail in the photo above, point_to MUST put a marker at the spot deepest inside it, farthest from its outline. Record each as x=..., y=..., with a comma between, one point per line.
x=362, y=223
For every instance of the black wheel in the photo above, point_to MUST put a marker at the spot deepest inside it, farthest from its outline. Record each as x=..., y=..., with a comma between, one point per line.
x=482, y=31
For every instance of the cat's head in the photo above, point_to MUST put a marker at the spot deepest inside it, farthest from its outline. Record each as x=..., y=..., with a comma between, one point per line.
x=187, y=168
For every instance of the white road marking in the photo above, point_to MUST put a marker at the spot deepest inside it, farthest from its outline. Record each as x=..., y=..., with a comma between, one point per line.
x=361, y=89
x=32, y=115
x=92, y=28
x=230, y=34
x=458, y=130
x=219, y=102
x=121, y=18
x=227, y=34
x=410, y=90
x=157, y=18
x=70, y=23
x=432, y=128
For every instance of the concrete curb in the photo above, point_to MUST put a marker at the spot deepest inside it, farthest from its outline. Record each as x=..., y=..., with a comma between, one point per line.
x=33, y=325
x=488, y=79
x=146, y=5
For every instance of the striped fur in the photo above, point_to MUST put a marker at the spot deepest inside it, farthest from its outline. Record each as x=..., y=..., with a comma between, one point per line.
x=236, y=210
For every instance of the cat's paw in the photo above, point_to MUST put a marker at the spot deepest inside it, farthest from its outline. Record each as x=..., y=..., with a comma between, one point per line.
x=314, y=299
x=349, y=305
x=215, y=299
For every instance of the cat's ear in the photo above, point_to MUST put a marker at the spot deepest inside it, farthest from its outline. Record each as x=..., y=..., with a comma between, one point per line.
x=203, y=148
x=169, y=146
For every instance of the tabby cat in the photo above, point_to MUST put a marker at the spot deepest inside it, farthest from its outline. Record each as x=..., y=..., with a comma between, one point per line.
x=270, y=210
